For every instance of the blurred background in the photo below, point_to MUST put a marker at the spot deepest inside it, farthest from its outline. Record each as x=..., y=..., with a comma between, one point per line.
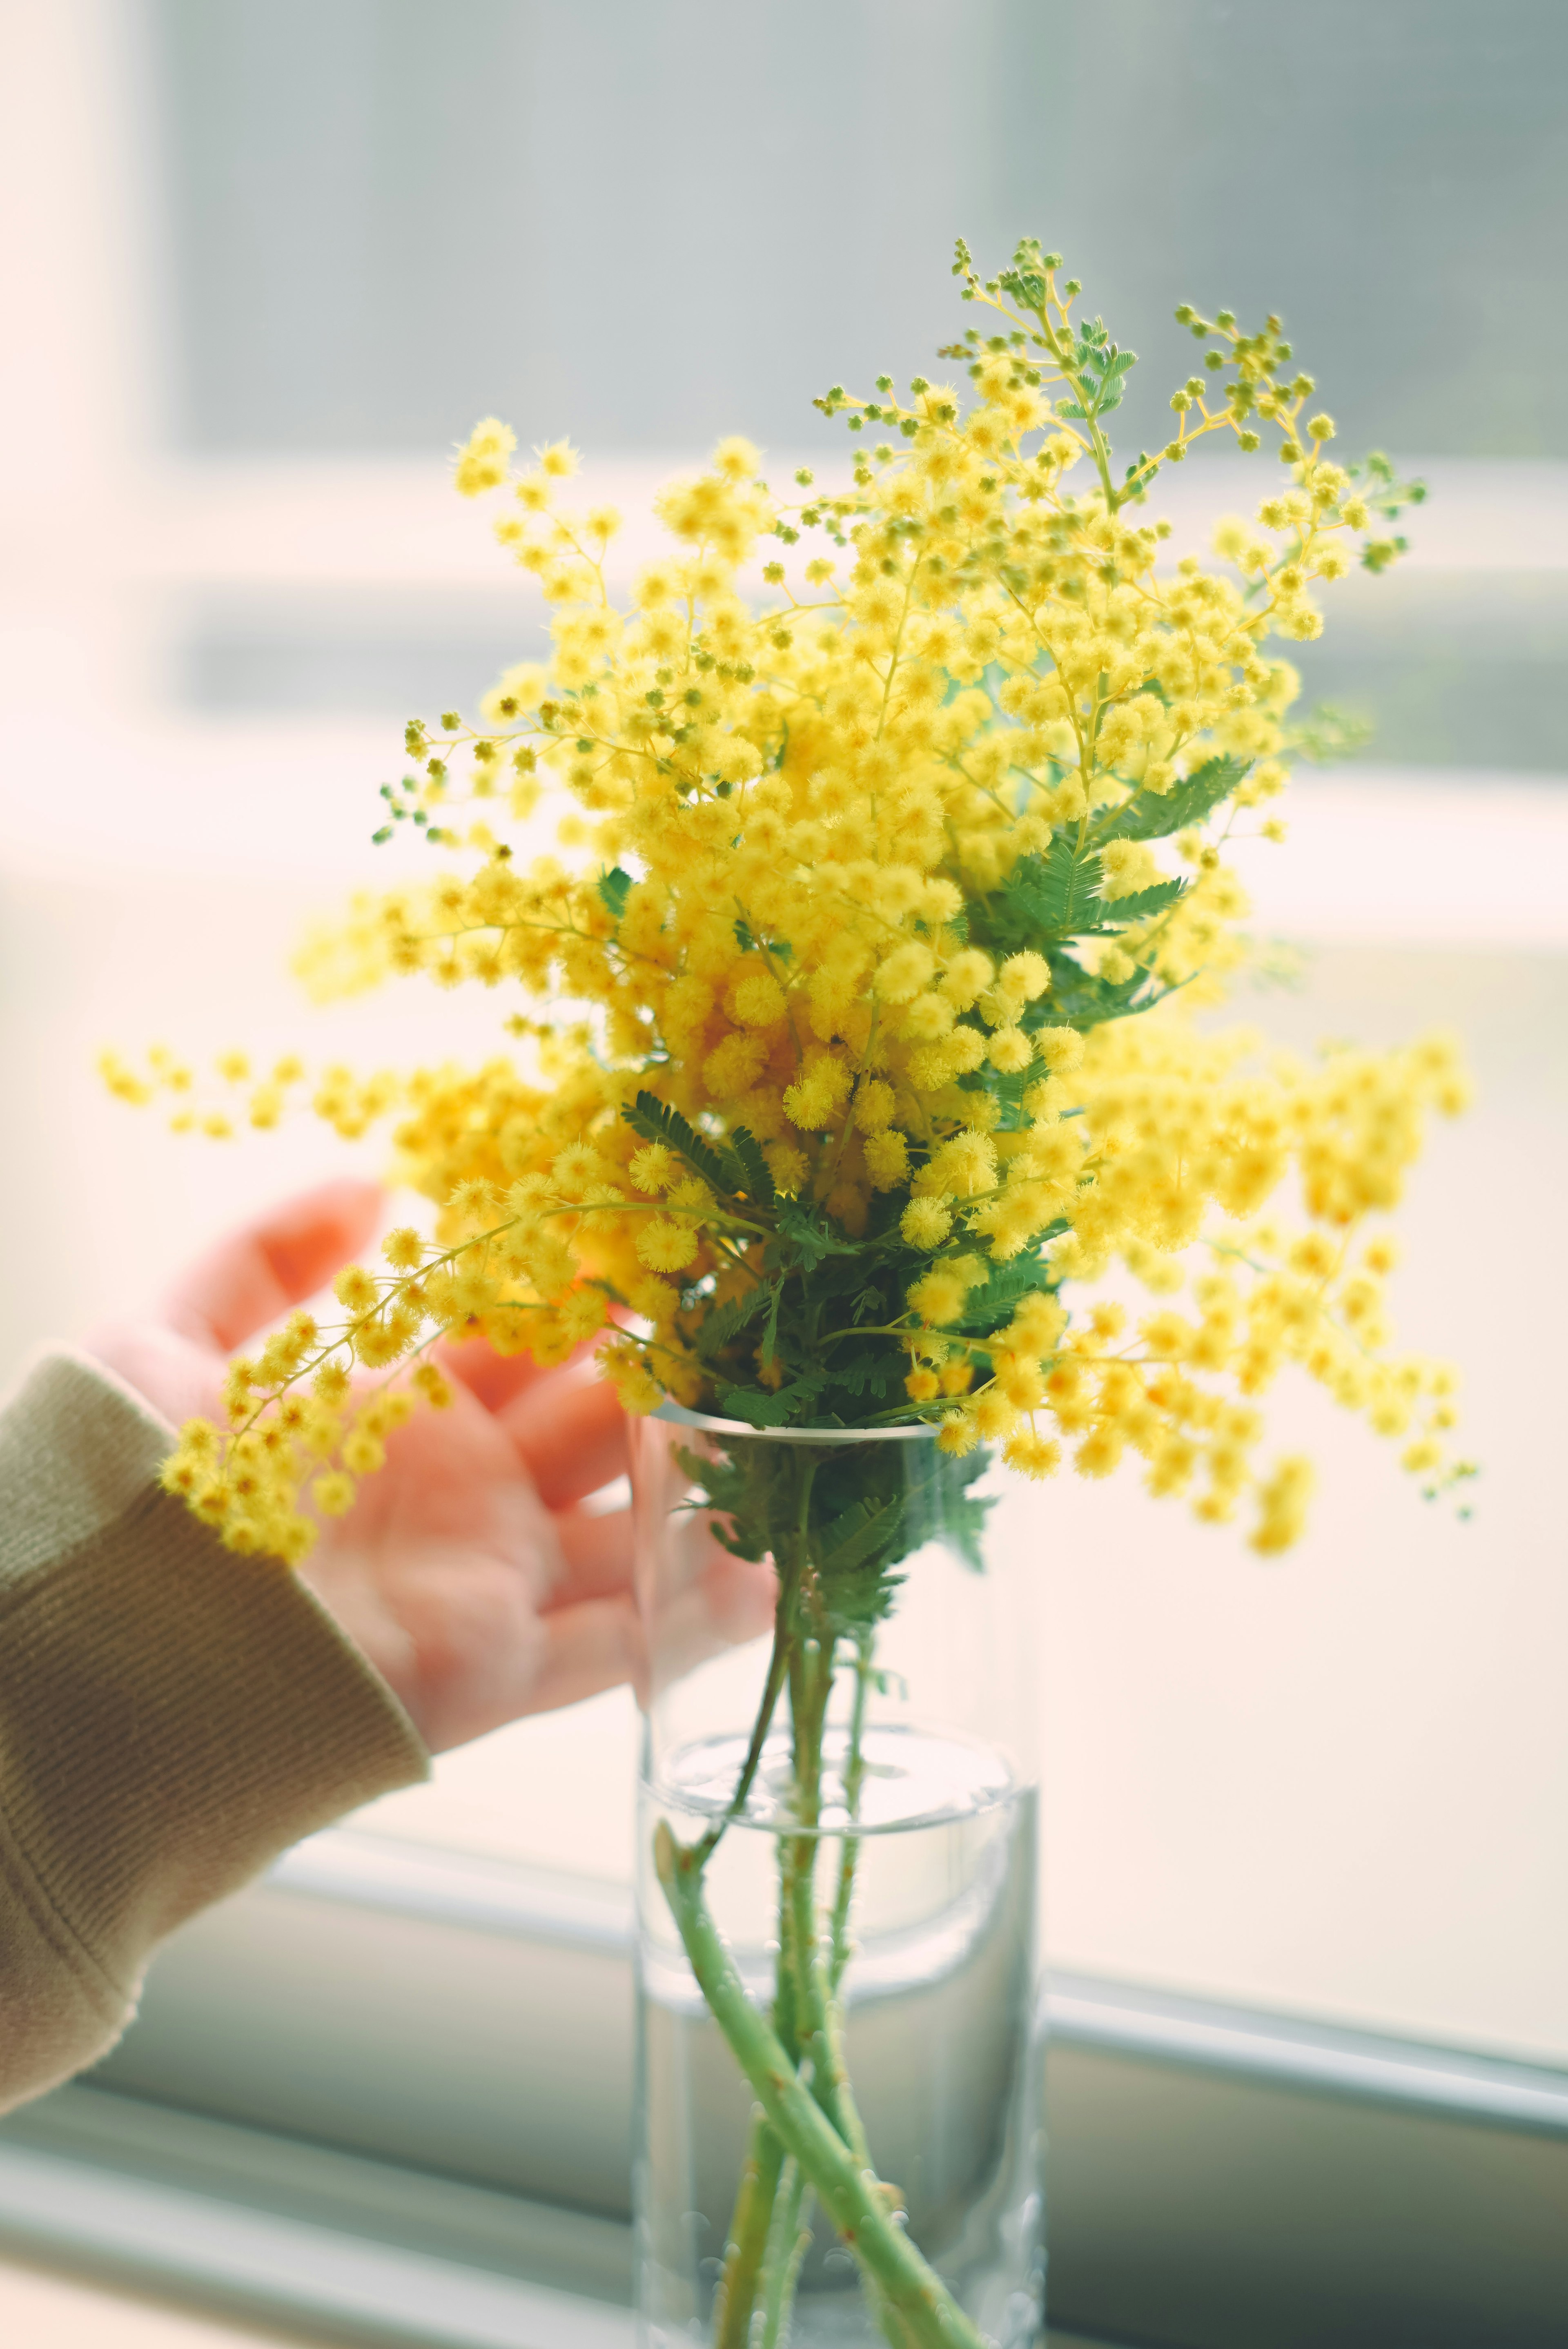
x=263, y=264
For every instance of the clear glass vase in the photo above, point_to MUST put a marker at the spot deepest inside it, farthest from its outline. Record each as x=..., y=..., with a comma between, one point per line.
x=839, y=2139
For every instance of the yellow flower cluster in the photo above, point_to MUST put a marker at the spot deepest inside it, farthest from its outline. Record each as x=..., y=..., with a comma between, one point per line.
x=880, y=999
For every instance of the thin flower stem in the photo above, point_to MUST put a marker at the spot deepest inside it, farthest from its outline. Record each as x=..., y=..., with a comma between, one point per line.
x=788, y=2241
x=854, y=1779
x=750, y=2226
x=800, y=1854
x=852, y=2196
x=745, y=2255
x=831, y=2080
x=778, y=1669
x=807, y=2014
x=831, y=1959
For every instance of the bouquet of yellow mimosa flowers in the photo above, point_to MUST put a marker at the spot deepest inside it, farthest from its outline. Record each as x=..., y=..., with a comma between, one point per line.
x=883, y=908
x=855, y=1030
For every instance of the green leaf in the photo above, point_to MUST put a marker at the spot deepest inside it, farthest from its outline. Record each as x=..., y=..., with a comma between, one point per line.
x=780, y=949
x=1043, y=898
x=811, y=1238
x=856, y=1602
x=771, y=1334
x=1084, y=1000
x=865, y=1528
x=737, y=1491
x=1327, y=733
x=1009, y=1091
x=657, y=1122
x=1141, y=904
x=726, y=1321
x=746, y=1153
x=1009, y=1283
x=939, y=1506
x=1058, y=888
x=615, y=888
x=1088, y=915
x=854, y=1548
x=759, y=1408
x=869, y=1373
x=1148, y=815
x=839, y=1276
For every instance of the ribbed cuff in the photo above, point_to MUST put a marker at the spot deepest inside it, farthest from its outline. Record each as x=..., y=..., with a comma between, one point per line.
x=172, y=1716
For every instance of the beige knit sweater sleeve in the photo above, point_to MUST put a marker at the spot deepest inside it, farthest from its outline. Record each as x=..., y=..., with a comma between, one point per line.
x=171, y=1718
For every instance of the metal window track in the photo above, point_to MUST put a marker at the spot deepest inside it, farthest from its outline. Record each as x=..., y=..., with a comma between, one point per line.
x=1082, y=2010
x=339, y=2284
x=298, y=2125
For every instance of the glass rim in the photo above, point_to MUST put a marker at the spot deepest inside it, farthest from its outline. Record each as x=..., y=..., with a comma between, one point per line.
x=676, y=1414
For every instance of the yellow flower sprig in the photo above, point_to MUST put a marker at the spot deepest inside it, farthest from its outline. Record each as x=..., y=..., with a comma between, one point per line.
x=866, y=1043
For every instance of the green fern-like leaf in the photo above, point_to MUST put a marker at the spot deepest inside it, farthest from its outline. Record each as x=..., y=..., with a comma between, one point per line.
x=1142, y=904
x=985, y=1308
x=759, y=1408
x=726, y=1322
x=811, y=1238
x=1043, y=898
x=867, y=1529
x=939, y=1505
x=737, y=1488
x=868, y=1374
x=1085, y=1001
x=1061, y=885
x=771, y=1331
x=756, y=1181
x=657, y=1122
x=1149, y=815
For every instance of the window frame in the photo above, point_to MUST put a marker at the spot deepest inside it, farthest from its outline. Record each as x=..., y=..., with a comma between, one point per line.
x=1218, y=2174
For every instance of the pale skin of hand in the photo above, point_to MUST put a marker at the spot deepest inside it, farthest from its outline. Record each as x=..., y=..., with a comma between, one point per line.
x=466, y=1572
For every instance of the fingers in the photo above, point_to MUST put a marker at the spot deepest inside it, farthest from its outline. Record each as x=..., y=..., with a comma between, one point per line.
x=731, y=1602
x=587, y=1648
x=494, y=1378
x=259, y=1271
x=597, y=1549
x=571, y=1436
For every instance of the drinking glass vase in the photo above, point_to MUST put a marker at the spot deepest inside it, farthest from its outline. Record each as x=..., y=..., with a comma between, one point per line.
x=839, y=2139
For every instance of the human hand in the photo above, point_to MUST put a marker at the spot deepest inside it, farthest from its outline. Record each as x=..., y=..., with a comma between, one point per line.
x=467, y=1572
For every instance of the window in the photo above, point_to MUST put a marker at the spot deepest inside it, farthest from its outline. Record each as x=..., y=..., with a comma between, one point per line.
x=1306, y=1900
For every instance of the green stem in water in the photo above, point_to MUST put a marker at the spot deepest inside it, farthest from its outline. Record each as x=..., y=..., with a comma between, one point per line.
x=749, y=2235
x=926, y=2313
x=747, y=2255
x=854, y=1779
x=839, y=1934
x=819, y=2029
x=778, y=1669
x=808, y=1705
x=839, y=1950
x=745, y=2261
x=788, y=2240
